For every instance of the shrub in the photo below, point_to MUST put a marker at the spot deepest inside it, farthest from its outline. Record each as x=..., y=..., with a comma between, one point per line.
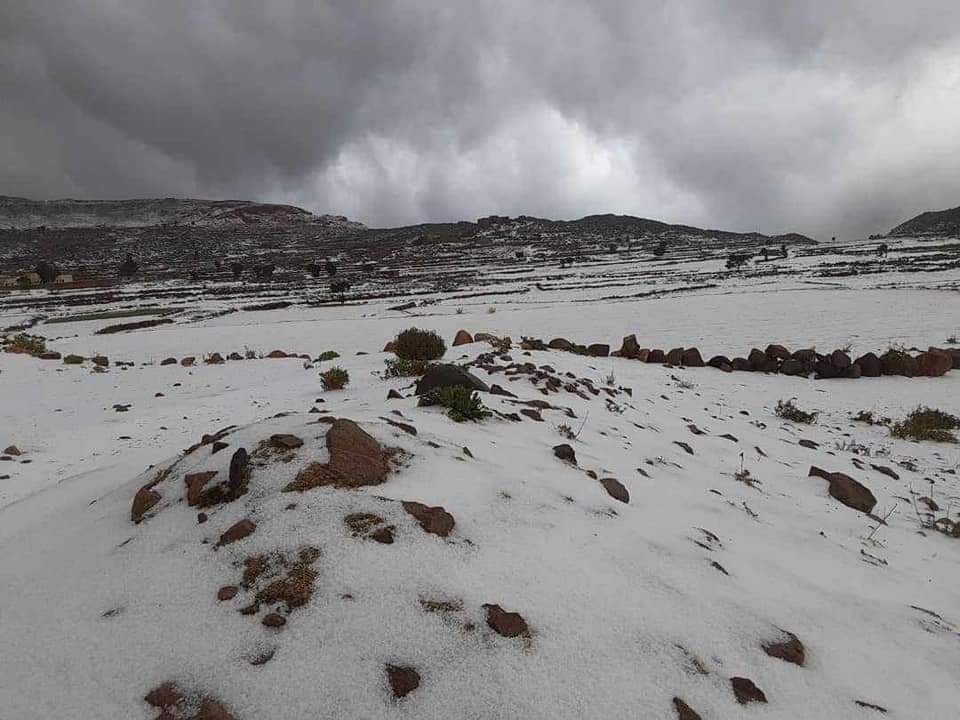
x=952, y=340
x=28, y=344
x=401, y=367
x=335, y=378
x=416, y=344
x=328, y=355
x=927, y=424
x=789, y=410
x=462, y=403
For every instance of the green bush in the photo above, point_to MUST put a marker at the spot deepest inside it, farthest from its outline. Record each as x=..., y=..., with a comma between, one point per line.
x=927, y=424
x=401, y=367
x=789, y=410
x=328, y=355
x=416, y=344
x=335, y=378
x=462, y=403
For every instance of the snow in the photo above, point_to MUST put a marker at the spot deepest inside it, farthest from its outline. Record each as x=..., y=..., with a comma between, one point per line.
x=618, y=596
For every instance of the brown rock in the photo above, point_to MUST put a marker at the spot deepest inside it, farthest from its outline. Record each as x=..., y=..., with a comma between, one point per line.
x=274, y=354
x=13, y=450
x=507, y=624
x=188, y=361
x=894, y=362
x=195, y=483
x=869, y=365
x=565, y=453
x=615, y=489
x=598, y=350
x=462, y=338
x=934, y=363
x=383, y=535
x=145, y=499
x=746, y=691
x=50, y=355
x=403, y=680
x=227, y=592
x=692, y=358
x=790, y=650
x=758, y=360
x=684, y=711
x=433, y=520
x=274, y=620
x=532, y=413
x=237, y=531
x=211, y=709
x=847, y=490
x=169, y=361
x=284, y=441
x=675, y=356
x=840, y=360
x=777, y=352
x=656, y=355
x=390, y=346
x=356, y=459
x=741, y=364
x=73, y=360
x=163, y=696
x=560, y=344
x=100, y=361
x=629, y=348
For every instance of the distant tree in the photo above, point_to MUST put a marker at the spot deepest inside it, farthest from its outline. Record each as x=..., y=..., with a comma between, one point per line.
x=340, y=288
x=237, y=269
x=661, y=249
x=129, y=267
x=737, y=261
x=47, y=271
x=330, y=267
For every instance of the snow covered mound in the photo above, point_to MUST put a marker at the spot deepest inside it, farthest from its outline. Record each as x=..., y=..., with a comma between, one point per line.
x=650, y=544
x=23, y=213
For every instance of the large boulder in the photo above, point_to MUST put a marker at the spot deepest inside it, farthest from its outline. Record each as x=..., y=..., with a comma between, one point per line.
x=741, y=364
x=439, y=376
x=356, y=460
x=933, y=363
x=675, y=357
x=598, y=350
x=462, y=338
x=792, y=366
x=840, y=359
x=560, y=344
x=692, y=358
x=896, y=362
x=869, y=365
x=629, y=348
x=777, y=352
x=758, y=359
x=656, y=356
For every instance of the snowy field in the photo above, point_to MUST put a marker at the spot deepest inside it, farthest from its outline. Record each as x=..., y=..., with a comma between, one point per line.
x=628, y=605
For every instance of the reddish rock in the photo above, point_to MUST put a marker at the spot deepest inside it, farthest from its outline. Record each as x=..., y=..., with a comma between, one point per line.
x=642, y=355
x=741, y=364
x=790, y=649
x=629, y=348
x=758, y=359
x=532, y=413
x=565, y=453
x=656, y=356
x=847, y=490
x=746, y=691
x=894, y=362
x=143, y=501
x=777, y=352
x=718, y=361
x=615, y=489
x=792, y=366
x=163, y=696
x=390, y=346
x=383, y=535
x=100, y=361
x=462, y=338
x=598, y=350
x=50, y=355
x=934, y=363
x=188, y=361
x=211, y=709
x=274, y=354
x=403, y=680
x=674, y=357
x=227, y=592
x=72, y=360
x=434, y=520
x=285, y=441
x=195, y=483
x=169, y=361
x=507, y=624
x=840, y=360
x=13, y=450
x=237, y=531
x=692, y=358
x=869, y=365
x=560, y=344
x=684, y=711
x=274, y=620
x=356, y=460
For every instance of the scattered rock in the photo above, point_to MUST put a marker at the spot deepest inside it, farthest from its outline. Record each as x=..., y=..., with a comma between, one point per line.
x=356, y=459
x=869, y=365
x=403, y=680
x=598, y=350
x=439, y=376
x=227, y=592
x=615, y=489
x=143, y=501
x=683, y=445
x=394, y=395
x=169, y=361
x=195, y=483
x=13, y=450
x=72, y=360
x=237, y=531
x=507, y=624
x=217, y=446
x=746, y=691
x=188, y=361
x=284, y=441
x=790, y=650
x=629, y=348
x=883, y=469
x=239, y=464
x=274, y=354
x=565, y=452
x=164, y=696
x=274, y=620
x=847, y=490
x=674, y=356
x=871, y=706
x=684, y=711
x=532, y=413
x=433, y=520
x=462, y=338
x=50, y=355
x=934, y=363
x=691, y=358
x=100, y=361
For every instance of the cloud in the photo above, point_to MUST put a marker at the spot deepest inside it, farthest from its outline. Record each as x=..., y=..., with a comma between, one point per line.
x=829, y=119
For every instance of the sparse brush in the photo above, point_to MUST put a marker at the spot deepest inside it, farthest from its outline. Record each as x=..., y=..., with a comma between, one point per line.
x=611, y=379
x=566, y=431
x=462, y=403
x=926, y=424
x=867, y=416
x=685, y=384
x=459, y=311
x=328, y=355
x=335, y=378
x=952, y=340
x=789, y=410
x=401, y=367
x=27, y=344
x=417, y=344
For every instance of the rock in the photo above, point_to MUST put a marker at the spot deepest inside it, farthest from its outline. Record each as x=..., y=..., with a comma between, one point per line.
x=356, y=459
x=188, y=361
x=13, y=450
x=227, y=592
x=383, y=535
x=934, y=363
x=777, y=352
x=629, y=348
x=692, y=358
x=894, y=362
x=684, y=711
x=615, y=489
x=884, y=470
x=497, y=390
x=852, y=372
x=143, y=501
x=565, y=452
x=462, y=338
x=234, y=356
x=274, y=620
x=741, y=364
x=403, y=680
x=674, y=356
x=100, y=361
x=840, y=360
x=49, y=355
x=394, y=395
x=438, y=376
x=718, y=361
x=869, y=365
x=656, y=356
x=532, y=413
x=598, y=350
x=238, y=469
x=792, y=366
x=507, y=624
x=169, y=361
x=285, y=441
x=217, y=446
x=72, y=360
x=237, y=531
x=215, y=359
x=560, y=344
x=746, y=691
x=642, y=355
x=274, y=354
x=195, y=483
x=847, y=490
x=790, y=650
x=163, y=696
x=758, y=360
x=434, y=520
x=211, y=709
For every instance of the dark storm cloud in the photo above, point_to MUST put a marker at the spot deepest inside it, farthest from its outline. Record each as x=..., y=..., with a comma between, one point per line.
x=827, y=118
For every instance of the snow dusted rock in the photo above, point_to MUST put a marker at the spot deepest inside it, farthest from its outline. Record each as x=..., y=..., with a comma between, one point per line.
x=777, y=352
x=933, y=363
x=434, y=520
x=615, y=489
x=438, y=376
x=691, y=358
x=789, y=650
x=238, y=531
x=195, y=484
x=13, y=450
x=462, y=338
x=746, y=691
x=657, y=356
x=565, y=452
x=356, y=459
x=675, y=356
x=869, y=365
x=847, y=490
x=598, y=350
x=629, y=348
x=403, y=680
x=188, y=361
x=145, y=499
x=285, y=441
x=684, y=711
x=507, y=624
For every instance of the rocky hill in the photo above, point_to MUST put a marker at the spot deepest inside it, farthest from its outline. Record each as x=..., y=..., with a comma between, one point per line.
x=940, y=223
x=22, y=213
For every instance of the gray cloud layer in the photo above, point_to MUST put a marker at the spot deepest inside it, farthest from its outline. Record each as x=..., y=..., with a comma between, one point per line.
x=832, y=118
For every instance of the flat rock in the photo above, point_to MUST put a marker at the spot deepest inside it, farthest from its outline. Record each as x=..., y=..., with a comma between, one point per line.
x=507, y=624
x=434, y=520
x=746, y=691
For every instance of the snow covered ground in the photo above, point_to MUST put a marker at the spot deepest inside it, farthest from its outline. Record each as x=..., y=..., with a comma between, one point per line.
x=628, y=605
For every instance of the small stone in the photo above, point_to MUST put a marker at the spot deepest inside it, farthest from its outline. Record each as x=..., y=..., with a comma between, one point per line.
x=163, y=696
x=143, y=501
x=684, y=711
x=565, y=453
x=238, y=531
x=13, y=450
x=790, y=650
x=507, y=624
x=211, y=709
x=217, y=446
x=227, y=592
x=403, y=680
x=615, y=489
x=274, y=620
x=434, y=520
x=746, y=692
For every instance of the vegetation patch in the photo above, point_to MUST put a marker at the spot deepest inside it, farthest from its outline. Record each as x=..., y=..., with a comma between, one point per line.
x=111, y=314
x=422, y=345
x=926, y=424
x=402, y=367
x=462, y=403
x=328, y=355
x=27, y=344
x=335, y=378
x=789, y=410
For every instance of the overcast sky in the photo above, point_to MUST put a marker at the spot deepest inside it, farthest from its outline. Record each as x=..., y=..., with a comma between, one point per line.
x=839, y=117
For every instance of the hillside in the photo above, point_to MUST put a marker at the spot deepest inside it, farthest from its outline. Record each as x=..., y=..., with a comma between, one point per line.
x=22, y=213
x=941, y=223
